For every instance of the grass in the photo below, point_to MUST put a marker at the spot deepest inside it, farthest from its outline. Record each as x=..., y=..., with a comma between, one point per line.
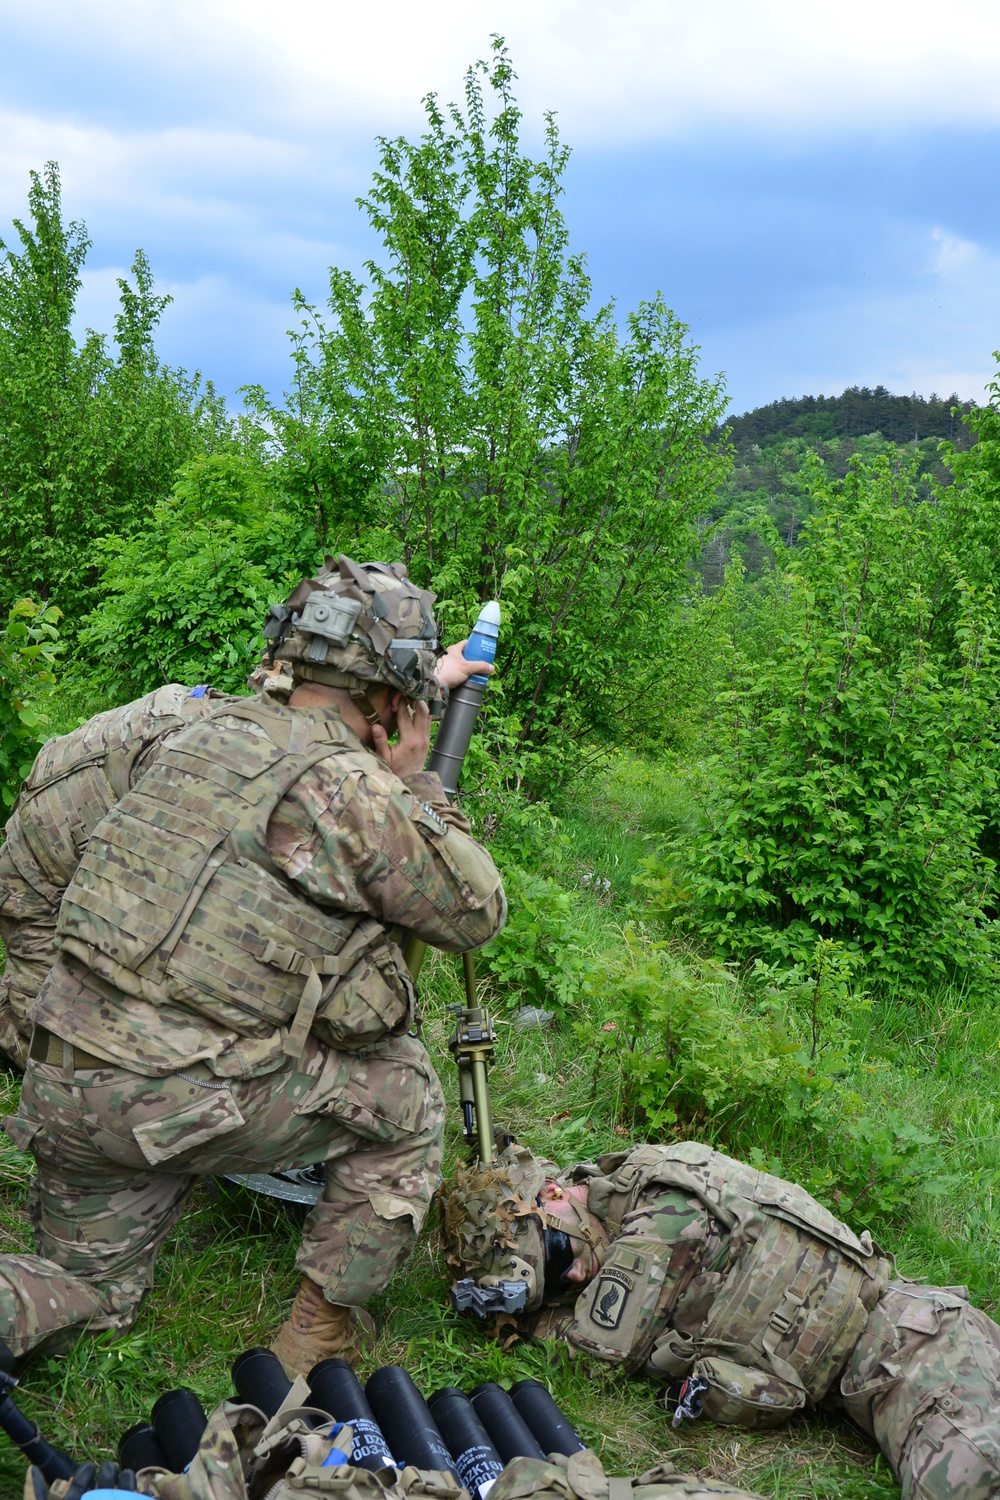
x=226, y=1275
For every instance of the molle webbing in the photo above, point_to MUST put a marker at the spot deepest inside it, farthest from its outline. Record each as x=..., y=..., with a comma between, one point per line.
x=800, y=1284
x=177, y=897
x=77, y=778
x=792, y=1305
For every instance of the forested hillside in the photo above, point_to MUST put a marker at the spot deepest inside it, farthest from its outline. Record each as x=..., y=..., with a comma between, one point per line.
x=773, y=445
x=739, y=761
x=856, y=412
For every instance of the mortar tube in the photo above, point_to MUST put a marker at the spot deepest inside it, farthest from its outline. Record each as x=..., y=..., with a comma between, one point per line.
x=550, y=1426
x=140, y=1448
x=179, y=1420
x=509, y=1432
x=259, y=1378
x=404, y=1418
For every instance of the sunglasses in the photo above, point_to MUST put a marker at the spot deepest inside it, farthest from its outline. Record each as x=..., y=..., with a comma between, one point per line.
x=559, y=1259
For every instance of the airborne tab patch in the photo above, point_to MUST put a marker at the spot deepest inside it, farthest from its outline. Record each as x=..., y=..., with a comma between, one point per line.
x=610, y=1299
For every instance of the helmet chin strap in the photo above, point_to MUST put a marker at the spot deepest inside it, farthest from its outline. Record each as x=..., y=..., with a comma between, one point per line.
x=359, y=696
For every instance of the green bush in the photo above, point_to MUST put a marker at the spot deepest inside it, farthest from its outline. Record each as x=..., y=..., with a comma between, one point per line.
x=858, y=758
x=186, y=595
x=539, y=957
x=28, y=648
x=767, y=1070
x=689, y=1053
x=89, y=437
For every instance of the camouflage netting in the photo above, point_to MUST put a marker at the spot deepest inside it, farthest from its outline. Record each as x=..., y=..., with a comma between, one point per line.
x=492, y=1225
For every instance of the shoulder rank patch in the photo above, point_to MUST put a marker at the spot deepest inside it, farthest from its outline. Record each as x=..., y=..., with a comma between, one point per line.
x=434, y=818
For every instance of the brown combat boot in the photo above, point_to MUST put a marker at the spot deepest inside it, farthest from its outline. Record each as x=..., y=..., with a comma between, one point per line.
x=317, y=1329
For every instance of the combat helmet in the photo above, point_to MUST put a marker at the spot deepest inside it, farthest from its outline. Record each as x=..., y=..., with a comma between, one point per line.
x=507, y=1253
x=356, y=624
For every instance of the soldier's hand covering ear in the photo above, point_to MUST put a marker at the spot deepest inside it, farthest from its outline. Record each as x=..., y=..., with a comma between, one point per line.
x=413, y=726
x=453, y=669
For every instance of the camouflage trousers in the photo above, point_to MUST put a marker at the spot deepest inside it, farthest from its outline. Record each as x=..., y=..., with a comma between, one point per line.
x=117, y=1153
x=924, y=1381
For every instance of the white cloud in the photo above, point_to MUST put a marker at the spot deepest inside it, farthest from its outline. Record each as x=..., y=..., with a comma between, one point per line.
x=172, y=167
x=230, y=137
x=628, y=70
x=957, y=260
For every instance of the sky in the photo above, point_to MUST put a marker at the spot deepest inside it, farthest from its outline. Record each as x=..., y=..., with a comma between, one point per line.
x=811, y=185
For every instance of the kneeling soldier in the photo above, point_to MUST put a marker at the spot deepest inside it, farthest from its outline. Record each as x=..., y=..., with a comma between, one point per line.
x=230, y=997
x=743, y=1292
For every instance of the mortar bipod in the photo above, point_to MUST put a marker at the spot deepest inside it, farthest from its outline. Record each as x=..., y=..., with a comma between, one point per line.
x=472, y=1044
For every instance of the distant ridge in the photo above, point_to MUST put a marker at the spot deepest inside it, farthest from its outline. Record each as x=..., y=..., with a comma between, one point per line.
x=857, y=411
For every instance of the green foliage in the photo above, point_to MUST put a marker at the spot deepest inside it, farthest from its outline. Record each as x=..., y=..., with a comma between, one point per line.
x=857, y=759
x=87, y=440
x=516, y=444
x=776, y=444
x=28, y=648
x=773, y=1063
x=857, y=1161
x=716, y=640
x=538, y=958
x=185, y=595
x=857, y=411
x=675, y=1024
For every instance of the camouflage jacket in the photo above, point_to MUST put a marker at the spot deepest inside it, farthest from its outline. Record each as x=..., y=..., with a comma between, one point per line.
x=348, y=848
x=77, y=777
x=721, y=1272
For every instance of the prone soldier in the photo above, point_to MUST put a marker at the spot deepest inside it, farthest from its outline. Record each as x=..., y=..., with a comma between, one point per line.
x=740, y=1291
x=229, y=995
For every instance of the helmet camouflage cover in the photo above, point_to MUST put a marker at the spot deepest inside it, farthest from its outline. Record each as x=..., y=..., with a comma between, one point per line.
x=358, y=623
x=494, y=1229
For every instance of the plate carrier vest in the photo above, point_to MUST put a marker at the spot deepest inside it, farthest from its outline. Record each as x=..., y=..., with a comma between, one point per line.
x=177, y=899
x=793, y=1301
x=77, y=778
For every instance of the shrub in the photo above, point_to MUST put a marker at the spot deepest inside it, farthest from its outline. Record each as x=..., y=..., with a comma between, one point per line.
x=28, y=648
x=89, y=437
x=765, y=1071
x=539, y=958
x=689, y=1053
x=187, y=594
x=859, y=758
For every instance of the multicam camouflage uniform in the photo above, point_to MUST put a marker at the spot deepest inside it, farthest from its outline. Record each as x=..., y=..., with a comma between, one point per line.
x=582, y=1477
x=74, y=781
x=721, y=1272
x=924, y=1382
x=229, y=999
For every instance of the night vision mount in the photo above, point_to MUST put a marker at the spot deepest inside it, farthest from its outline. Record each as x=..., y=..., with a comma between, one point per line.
x=505, y=1297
